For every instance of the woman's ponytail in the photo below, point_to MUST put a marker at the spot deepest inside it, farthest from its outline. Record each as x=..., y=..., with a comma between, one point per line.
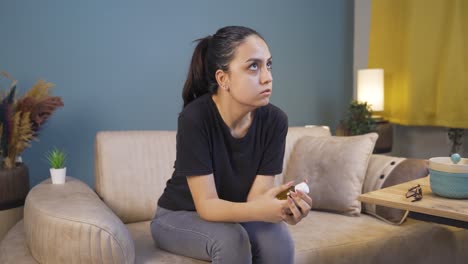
x=197, y=83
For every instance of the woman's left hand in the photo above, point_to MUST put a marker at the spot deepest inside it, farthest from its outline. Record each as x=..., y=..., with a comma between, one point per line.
x=299, y=207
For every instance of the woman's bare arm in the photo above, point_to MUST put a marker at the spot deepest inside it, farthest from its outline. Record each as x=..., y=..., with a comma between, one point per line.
x=261, y=185
x=208, y=205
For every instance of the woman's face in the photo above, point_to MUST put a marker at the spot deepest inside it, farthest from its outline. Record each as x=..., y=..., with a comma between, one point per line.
x=249, y=77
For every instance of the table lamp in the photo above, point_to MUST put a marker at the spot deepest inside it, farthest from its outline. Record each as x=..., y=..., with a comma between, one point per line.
x=370, y=89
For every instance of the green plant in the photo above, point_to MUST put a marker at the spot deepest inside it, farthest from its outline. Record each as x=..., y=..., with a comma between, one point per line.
x=455, y=136
x=22, y=119
x=359, y=119
x=56, y=158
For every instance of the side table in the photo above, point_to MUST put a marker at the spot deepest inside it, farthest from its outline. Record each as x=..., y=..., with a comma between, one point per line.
x=14, y=187
x=431, y=208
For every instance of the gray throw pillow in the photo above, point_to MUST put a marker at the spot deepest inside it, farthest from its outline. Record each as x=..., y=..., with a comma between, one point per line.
x=335, y=168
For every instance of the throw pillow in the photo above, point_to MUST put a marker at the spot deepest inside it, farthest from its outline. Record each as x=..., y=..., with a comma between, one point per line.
x=335, y=168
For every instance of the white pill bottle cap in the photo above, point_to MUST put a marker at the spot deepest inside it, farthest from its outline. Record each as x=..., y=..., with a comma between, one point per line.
x=303, y=187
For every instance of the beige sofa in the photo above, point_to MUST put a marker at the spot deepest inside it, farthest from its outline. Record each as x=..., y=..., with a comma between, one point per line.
x=71, y=223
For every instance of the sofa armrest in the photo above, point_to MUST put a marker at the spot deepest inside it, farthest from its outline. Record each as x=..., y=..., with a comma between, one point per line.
x=68, y=223
x=384, y=171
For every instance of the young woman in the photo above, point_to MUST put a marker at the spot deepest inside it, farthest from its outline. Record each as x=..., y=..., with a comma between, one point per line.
x=220, y=203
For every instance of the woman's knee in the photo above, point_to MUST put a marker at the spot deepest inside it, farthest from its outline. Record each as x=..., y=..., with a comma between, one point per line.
x=231, y=244
x=271, y=243
x=277, y=243
x=219, y=242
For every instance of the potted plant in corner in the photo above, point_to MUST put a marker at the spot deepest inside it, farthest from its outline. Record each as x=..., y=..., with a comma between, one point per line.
x=358, y=120
x=57, y=159
x=20, y=122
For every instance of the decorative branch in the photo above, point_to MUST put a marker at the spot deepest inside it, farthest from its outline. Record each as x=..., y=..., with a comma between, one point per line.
x=455, y=136
x=21, y=120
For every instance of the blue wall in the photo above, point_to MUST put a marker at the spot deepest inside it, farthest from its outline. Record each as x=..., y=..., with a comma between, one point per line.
x=120, y=65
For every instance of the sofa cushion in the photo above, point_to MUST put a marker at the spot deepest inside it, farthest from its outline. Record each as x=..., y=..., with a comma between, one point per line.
x=146, y=250
x=68, y=223
x=132, y=167
x=335, y=168
x=333, y=238
x=384, y=171
x=13, y=247
x=294, y=134
x=320, y=238
x=131, y=170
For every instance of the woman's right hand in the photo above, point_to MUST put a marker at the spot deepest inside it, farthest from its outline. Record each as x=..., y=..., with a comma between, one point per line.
x=268, y=207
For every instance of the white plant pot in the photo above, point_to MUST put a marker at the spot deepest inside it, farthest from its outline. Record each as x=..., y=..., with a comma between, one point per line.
x=58, y=175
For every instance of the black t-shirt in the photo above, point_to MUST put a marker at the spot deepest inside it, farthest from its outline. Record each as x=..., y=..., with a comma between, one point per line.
x=205, y=145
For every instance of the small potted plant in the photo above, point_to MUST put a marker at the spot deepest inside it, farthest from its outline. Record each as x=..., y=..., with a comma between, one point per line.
x=57, y=159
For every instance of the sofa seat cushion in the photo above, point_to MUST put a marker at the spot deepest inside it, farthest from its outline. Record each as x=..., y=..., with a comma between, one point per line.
x=333, y=238
x=13, y=247
x=320, y=238
x=146, y=250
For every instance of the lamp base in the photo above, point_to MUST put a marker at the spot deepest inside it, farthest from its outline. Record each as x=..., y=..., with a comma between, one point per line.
x=385, y=131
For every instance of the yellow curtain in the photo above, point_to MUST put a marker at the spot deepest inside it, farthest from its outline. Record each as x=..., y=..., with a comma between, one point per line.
x=422, y=45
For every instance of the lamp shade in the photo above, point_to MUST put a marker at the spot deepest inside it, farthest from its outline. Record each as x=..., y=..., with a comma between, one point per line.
x=370, y=88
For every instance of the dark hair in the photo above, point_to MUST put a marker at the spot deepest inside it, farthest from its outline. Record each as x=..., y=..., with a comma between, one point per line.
x=212, y=53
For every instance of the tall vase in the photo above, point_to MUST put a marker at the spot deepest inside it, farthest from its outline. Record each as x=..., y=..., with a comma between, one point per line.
x=14, y=186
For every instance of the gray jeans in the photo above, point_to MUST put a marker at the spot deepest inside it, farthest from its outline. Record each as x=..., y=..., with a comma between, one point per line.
x=185, y=233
